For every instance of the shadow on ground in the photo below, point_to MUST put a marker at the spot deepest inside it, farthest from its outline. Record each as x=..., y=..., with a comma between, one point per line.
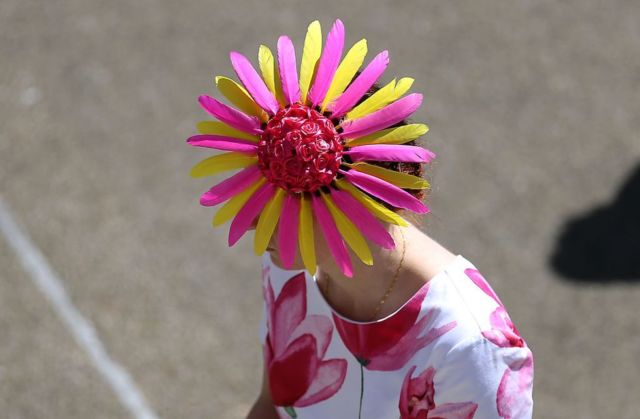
x=603, y=245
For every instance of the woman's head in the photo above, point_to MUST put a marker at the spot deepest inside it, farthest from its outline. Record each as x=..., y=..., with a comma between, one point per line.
x=411, y=168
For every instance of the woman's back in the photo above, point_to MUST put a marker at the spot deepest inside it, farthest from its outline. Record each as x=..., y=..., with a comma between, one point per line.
x=450, y=351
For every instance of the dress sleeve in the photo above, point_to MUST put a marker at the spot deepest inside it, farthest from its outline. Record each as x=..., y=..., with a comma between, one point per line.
x=499, y=380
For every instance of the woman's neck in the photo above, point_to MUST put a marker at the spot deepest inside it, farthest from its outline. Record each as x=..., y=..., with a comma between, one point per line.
x=357, y=297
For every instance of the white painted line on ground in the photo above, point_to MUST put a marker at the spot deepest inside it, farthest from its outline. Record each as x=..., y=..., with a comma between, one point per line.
x=83, y=331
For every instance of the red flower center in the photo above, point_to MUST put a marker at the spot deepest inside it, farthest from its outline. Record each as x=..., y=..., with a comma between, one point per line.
x=300, y=149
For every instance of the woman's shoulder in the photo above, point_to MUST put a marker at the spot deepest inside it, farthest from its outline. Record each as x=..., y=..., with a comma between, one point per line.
x=462, y=293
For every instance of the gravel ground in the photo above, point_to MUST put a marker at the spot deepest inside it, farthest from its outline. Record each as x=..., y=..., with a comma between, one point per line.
x=533, y=109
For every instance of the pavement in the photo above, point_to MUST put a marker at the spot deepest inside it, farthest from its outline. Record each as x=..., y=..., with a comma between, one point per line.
x=533, y=109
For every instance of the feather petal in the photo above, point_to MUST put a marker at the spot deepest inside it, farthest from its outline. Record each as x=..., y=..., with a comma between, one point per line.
x=270, y=73
x=360, y=85
x=345, y=72
x=268, y=221
x=363, y=219
x=391, y=152
x=307, y=241
x=231, y=207
x=310, y=55
x=230, y=116
x=239, y=97
x=222, y=163
x=332, y=236
x=396, y=135
x=230, y=186
x=389, y=93
x=384, y=190
x=383, y=118
x=253, y=83
x=248, y=213
x=288, y=71
x=220, y=128
x=223, y=143
x=379, y=211
x=349, y=231
x=374, y=102
x=401, y=180
x=288, y=230
x=403, y=85
x=328, y=63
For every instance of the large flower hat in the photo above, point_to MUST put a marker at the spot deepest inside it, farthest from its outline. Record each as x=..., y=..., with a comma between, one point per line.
x=302, y=142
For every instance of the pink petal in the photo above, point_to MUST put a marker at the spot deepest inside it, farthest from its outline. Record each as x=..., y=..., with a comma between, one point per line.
x=404, y=394
x=513, y=398
x=291, y=374
x=502, y=331
x=253, y=83
x=383, y=118
x=329, y=378
x=328, y=63
x=231, y=186
x=367, y=341
x=385, y=191
x=249, y=212
x=464, y=410
x=332, y=236
x=482, y=283
x=320, y=327
x=230, y=116
x=288, y=231
x=423, y=384
x=290, y=310
x=220, y=142
x=360, y=85
x=391, y=152
x=398, y=355
x=362, y=218
x=288, y=71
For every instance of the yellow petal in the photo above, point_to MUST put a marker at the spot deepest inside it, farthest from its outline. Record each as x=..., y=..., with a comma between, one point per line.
x=222, y=163
x=401, y=180
x=305, y=231
x=239, y=96
x=374, y=102
x=310, y=56
x=270, y=73
x=267, y=222
x=220, y=128
x=403, y=85
x=349, y=232
x=377, y=210
x=397, y=135
x=231, y=208
x=345, y=72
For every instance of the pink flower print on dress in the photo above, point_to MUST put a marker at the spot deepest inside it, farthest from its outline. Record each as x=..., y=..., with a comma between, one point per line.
x=482, y=283
x=295, y=348
x=516, y=382
x=417, y=399
x=503, y=333
x=477, y=278
x=387, y=345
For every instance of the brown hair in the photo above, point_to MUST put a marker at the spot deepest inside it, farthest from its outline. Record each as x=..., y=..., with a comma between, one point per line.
x=414, y=169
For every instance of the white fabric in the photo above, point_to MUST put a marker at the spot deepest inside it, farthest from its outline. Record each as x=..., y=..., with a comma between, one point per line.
x=481, y=368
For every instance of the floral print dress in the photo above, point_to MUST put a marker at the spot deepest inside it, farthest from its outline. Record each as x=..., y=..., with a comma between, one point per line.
x=450, y=352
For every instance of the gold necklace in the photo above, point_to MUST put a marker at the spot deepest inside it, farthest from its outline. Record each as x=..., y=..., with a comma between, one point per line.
x=389, y=288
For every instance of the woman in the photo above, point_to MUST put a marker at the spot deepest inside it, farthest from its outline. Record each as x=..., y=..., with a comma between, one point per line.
x=329, y=170
x=437, y=344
